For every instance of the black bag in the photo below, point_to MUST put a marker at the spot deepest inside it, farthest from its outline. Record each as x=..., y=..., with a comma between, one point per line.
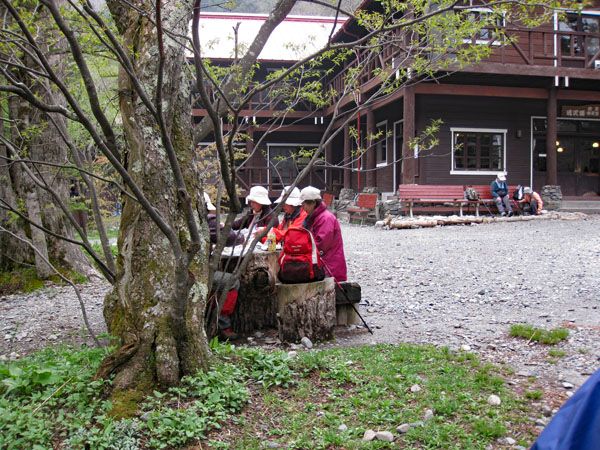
x=518, y=194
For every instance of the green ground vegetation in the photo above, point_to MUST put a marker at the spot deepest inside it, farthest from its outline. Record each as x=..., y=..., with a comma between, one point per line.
x=50, y=399
x=541, y=335
x=26, y=280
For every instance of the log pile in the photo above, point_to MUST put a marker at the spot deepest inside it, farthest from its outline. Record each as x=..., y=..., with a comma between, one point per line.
x=402, y=222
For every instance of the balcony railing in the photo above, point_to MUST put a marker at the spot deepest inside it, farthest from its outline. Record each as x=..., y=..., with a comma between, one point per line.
x=529, y=47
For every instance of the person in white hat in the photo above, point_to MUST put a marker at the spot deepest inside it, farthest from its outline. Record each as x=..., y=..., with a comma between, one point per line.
x=499, y=190
x=293, y=214
x=233, y=238
x=327, y=233
x=531, y=203
x=260, y=213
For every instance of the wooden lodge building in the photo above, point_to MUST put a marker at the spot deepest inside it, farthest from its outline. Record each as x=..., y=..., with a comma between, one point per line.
x=531, y=109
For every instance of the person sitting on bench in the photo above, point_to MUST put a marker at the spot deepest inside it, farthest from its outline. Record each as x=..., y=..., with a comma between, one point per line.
x=294, y=215
x=222, y=279
x=499, y=190
x=260, y=212
x=532, y=203
x=233, y=238
x=327, y=233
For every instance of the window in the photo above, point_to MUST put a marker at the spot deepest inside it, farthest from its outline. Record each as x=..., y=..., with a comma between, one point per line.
x=478, y=151
x=573, y=41
x=287, y=160
x=381, y=144
x=489, y=21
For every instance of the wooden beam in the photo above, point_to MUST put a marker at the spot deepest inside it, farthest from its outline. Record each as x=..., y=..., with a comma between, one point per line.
x=586, y=96
x=551, y=136
x=408, y=157
x=371, y=180
x=480, y=91
x=282, y=128
x=268, y=113
x=532, y=70
x=347, y=158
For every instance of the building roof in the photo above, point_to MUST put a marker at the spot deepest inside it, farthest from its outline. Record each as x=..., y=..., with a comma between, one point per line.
x=296, y=37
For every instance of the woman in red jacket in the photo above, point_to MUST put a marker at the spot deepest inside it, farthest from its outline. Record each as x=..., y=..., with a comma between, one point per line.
x=293, y=216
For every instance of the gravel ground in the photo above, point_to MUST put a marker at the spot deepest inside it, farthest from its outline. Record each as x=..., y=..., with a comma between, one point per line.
x=461, y=286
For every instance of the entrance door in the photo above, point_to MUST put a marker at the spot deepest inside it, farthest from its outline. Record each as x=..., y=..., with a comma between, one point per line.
x=578, y=162
x=578, y=156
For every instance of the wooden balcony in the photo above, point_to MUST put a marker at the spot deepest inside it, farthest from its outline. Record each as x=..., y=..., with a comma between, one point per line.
x=526, y=52
x=267, y=104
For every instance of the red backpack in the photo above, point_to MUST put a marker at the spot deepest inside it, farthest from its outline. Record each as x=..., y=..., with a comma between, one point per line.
x=299, y=261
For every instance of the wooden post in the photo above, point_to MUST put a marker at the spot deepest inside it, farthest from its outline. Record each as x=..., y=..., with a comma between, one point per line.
x=249, y=150
x=371, y=180
x=306, y=310
x=408, y=153
x=347, y=158
x=551, y=137
x=328, y=162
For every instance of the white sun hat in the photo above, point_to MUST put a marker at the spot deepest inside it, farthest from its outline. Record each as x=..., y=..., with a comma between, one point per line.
x=258, y=194
x=293, y=199
x=209, y=204
x=310, y=193
x=501, y=176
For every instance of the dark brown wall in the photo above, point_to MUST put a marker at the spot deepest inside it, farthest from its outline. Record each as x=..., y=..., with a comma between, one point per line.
x=476, y=112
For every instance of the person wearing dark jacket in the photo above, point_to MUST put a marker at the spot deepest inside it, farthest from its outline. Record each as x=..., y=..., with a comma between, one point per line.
x=499, y=190
x=260, y=213
x=233, y=238
x=223, y=279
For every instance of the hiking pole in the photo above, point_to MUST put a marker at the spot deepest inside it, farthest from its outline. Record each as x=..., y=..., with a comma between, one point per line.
x=348, y=299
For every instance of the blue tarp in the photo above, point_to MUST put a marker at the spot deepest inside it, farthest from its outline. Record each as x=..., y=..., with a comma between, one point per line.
x=576, y=426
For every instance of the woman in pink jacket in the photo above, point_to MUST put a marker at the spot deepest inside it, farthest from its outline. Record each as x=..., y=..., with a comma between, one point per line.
x=327, y=233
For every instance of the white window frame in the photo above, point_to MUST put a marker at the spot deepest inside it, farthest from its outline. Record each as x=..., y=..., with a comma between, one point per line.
x=477, y=130
x=385, y=136
x=484, y=41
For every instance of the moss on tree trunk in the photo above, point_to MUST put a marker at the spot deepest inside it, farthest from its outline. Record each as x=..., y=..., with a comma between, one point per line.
x=157, y=305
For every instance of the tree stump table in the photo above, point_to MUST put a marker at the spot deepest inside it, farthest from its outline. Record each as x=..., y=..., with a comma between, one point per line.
x=256, y=304
x=306, y=310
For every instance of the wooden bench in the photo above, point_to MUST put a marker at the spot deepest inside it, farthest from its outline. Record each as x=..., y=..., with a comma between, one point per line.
x=328, y=199
x=365, y=204
x=485, y=196
x=436, y=197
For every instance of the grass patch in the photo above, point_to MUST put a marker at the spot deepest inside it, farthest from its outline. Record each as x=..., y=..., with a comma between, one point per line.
x=556, y=353
x=369, y=388
x=534, y=395
x=26, y=280
x=531, y=333
x=49, y=400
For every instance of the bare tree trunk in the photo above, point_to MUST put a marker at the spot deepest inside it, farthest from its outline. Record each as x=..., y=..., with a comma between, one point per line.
x=157, y=305
x=13, y=252
x=38, y=237
x=39, y=139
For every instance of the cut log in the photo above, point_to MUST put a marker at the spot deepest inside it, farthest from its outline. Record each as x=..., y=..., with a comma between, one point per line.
x=256, y=304
x=306, y=310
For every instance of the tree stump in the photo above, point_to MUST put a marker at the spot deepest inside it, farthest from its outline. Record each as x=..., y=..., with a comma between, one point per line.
x=306, y=310
x=256, y=304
